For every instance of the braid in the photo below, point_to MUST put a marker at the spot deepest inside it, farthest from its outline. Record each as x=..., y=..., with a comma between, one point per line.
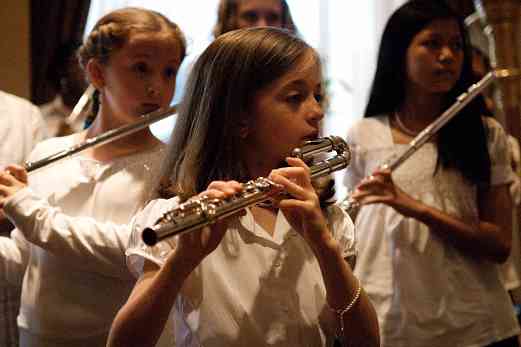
x=112, y=31
x=93, y=111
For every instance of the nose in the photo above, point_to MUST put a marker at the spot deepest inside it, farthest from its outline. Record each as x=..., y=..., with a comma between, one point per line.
x=262, y=22
x=315, y=111
x=446, y=54
x=157, y=88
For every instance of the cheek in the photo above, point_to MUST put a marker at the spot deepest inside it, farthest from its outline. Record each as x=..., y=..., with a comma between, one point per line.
x=417, y=69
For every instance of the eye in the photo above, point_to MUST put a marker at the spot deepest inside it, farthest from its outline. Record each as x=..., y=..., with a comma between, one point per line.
x=319, y=97
x=457, y=46
x=432, y=43
x=295, y=98
x=250, y=16
x=273, y=17
x=170, y=73
x=141, y=68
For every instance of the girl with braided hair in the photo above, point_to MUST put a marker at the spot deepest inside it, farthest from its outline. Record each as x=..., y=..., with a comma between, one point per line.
x=75, y=274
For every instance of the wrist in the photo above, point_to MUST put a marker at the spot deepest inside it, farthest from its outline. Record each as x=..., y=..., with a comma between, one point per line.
x=182, y=263
x=418, y=211
x=326, y=246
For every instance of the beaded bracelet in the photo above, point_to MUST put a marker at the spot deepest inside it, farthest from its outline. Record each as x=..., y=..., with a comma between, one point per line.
x=342, y=311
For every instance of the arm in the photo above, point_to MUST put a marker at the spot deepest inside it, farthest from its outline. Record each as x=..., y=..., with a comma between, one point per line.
x=305, y=216
x=95, y=246
x=489, y=238
x=142, y=319
x=14, y=255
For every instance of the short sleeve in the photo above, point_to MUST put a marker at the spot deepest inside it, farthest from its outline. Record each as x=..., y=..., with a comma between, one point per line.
x=137, y=251
x=343, y=230
x=355, y=171
x=501, y=168
x=39, y=128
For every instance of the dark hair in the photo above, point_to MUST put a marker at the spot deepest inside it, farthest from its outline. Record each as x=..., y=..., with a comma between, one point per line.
x=64, y=56
x=112, y=31
x=227, y=17
x=205, y=143
x=469, y=155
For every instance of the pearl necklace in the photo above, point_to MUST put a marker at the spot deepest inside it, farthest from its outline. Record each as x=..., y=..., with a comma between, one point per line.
x=402, y=126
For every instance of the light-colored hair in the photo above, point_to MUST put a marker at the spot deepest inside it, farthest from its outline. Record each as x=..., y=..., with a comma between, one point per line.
x=205, y=144
x=112, y=31
x=227, y=17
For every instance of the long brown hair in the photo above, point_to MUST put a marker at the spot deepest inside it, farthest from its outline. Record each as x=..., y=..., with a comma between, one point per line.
x=205, y=144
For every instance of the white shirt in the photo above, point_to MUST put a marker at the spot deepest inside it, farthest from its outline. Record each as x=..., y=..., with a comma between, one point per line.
x=425, y=291
x=22, y=128
x=76, y=278
x=511, y=269
x=56, y=116
x=253, y=290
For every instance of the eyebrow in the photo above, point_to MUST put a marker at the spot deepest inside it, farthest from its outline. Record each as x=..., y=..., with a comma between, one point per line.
x=299, y=83
x=141, y=55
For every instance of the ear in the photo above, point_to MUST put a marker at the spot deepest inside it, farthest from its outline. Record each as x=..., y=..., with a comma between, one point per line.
x=96, y=73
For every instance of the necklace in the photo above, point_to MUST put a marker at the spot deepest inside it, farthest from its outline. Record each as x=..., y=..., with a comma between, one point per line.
x=402, y=126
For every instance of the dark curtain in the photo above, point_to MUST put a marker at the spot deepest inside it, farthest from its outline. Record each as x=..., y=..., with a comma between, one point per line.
x=54, y=23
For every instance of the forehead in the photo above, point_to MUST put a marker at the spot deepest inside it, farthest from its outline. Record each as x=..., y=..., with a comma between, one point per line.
x=259, y=5
x=153, y=44
x=307, y=71
x=447, y=27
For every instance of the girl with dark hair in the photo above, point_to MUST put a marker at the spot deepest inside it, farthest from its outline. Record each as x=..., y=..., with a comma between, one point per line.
x=75, y=277
x=274, y=275
x=432, y=232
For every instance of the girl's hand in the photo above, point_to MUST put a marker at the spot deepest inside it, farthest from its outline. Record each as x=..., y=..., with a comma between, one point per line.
x=380, y=188
x=302, y=209
x=196, y=245
x=12, y=179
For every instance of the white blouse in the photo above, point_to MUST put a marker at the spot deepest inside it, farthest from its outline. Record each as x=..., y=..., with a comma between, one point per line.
x=253, y=290
x=76, y=277
x=425, y=291
x=22, y=128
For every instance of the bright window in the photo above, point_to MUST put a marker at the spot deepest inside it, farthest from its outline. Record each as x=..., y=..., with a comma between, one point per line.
x=346, y=33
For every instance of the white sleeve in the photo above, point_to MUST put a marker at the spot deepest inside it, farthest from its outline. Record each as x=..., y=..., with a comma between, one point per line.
x=501, y=168
x=14, y=255
x=39, y=128
x=343, y=230
x=137, y=252
x=355, y=171
x=91, y=245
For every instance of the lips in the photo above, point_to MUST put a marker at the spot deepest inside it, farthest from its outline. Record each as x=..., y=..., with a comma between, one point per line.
x=311, y=136
x=445, y=73
x=148, y=107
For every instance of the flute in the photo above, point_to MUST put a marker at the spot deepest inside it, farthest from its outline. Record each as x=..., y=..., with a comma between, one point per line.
x=349, y=205
x=106, y=137
x=199, y=212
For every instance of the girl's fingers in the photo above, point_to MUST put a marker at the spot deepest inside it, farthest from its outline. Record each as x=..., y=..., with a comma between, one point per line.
x=228, y=187
x=18, y=172
x=297, y=175
x=7, y=179
x=296, y=162
x=292, y=188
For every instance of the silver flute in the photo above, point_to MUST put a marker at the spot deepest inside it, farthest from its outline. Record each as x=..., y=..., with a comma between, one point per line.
x=198, y=212
x=349, y=204
x=109, y=136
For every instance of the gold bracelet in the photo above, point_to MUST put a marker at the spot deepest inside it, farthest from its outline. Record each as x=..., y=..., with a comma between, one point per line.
x=342, y=311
